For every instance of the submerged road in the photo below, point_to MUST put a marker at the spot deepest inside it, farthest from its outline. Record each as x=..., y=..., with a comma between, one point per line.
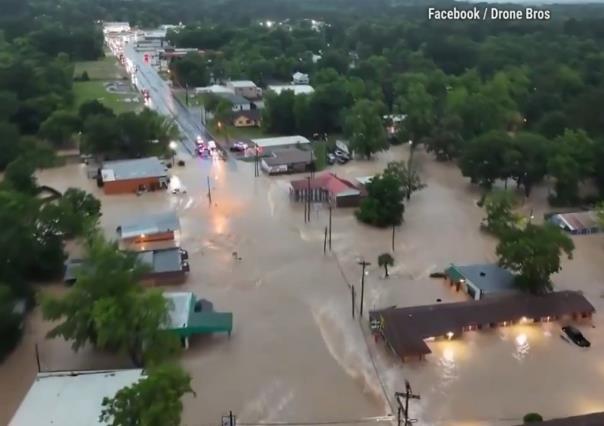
x=162, y=100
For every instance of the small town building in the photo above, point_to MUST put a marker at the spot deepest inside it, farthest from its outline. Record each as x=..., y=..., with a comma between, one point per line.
x=481, y=280
x=291, y=160
x=577, y=223
x=190, y=316
x=406, y=330
x=250, y=118
x=280, y=142
x=592, y=419
x=131, y=176
x=115, y=27
x=71, y=398
x=166, y=266
x=298, y=89
x=327, y=187
x=215, y=89
x=238, y=103
x=300, y=78
x=149, y=227
x=245, y=88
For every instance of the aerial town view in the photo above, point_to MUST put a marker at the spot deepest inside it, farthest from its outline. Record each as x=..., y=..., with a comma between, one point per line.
x=301, y=212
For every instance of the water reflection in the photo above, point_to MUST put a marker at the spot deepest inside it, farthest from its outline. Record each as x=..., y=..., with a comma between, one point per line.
x=522, y=347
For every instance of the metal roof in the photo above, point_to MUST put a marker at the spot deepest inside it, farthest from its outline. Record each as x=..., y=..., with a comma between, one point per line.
x=298, y=89
x=280, y=141
x=241, y=83
x=71, y=398
x=165, y=260
x=489, y=278
x=149, y=224
x=577, y=221
x=406, y=328
x=289, y=156
x=233, y=98
x=180, y=304
x=133, y=169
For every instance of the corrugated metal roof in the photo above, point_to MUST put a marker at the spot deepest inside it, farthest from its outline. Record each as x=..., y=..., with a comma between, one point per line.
x=133, y=169
x=150, y=224
x=71, y=398
x=280, y=141
x=489, y=278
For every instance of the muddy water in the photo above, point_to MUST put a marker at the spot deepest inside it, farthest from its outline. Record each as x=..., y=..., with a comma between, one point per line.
x=296, y=354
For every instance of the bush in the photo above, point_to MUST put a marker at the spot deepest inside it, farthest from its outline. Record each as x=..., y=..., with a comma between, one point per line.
x=84, y=76
x=10, y=323
x=532, y=418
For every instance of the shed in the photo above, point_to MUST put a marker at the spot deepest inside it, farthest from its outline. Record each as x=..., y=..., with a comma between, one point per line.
x=481, y=280
x=71, y=398
x=166, y=266
x=577, y=223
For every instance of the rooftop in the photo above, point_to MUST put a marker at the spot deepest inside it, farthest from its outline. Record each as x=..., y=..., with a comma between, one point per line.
x=298, y=89
x=164, y=260
x=406, y=328
x=328, y=182
x=489, y=278
x=71, y=398
x=233, y=98
x=280, y=141
x=252, y=114
x=242, y=83
x=180, y=304
x=593, y=419
x=577, y=221
x=149, y=224
x=288, y=156
x=133, y=169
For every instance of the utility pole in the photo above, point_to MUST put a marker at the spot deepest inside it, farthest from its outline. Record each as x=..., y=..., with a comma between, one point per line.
x=229, y=420
x=403, y=406
x=364, y=264
x=209, y=191
x=308, y=197
x=325, y=242
x=409, y=165
x=330, y=208
x=187, y=93
x=353, y=295
x=393, y=230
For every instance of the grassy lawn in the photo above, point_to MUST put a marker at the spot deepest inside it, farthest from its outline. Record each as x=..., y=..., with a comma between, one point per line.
x=194, y=100
x=106, y=68
x=247, y=132
x=90, y=90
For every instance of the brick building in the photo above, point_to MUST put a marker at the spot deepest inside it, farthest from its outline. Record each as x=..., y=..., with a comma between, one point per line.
x=130, y=176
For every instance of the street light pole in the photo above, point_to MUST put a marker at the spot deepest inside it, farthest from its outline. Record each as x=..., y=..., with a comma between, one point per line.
x=364, y=264
x=409, y=164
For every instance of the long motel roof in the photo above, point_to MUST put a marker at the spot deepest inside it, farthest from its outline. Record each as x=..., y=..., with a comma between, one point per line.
x=405, y=329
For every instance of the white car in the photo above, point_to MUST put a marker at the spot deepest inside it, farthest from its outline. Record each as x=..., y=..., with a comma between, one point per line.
x=211, y=145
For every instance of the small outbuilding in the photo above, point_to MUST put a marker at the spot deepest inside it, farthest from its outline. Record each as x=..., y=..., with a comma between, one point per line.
x=481, y=280
x=280, y=142
x=166, y=266
x=71, y=398
x=131, y=176
x=327, y=187
x=150, y=227
x=245, y=88
x=288, y=161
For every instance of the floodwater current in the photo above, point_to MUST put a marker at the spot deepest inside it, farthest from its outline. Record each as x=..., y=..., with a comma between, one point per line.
x=296, y=355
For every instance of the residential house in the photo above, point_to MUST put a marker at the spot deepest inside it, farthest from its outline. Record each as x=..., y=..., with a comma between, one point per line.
x=250, y=118
x=131, y=176
x=245, y=88
x=300, y=78
x=238, y=103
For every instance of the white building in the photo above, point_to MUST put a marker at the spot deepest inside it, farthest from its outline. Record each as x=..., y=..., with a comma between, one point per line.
x=214, y=89
x=71, y=398
x=300, y=78
x=280, y=142
x=245, y=88
x=298, y=89
x=116, y=27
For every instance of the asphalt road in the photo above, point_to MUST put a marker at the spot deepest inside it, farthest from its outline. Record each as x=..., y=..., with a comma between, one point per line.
x=162, y=100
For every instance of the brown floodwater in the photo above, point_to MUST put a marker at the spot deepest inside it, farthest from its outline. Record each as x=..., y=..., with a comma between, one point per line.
x=296, y=355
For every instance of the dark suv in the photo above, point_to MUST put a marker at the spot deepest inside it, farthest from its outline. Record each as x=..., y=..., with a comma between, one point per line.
x=576, y=336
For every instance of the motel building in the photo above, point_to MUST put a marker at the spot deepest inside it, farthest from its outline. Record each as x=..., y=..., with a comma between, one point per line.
x=162, y=226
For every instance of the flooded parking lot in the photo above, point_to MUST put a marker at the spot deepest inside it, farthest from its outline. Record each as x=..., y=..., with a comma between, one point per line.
x=295, y=353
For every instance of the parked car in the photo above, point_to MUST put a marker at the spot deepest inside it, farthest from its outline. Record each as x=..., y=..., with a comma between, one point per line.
x=576, y=336
x=341, y=154
x=342, y=160
x=238, y=147
x=331, y=159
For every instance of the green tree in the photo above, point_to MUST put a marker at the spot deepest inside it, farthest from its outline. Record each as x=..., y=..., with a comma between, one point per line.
x=19, y=176
x=10, y=322
x=108, y=308
x=278, y=115
x=383, y=205
x=419, y=109
x=483, y=158
x=364, y=128
x=91, y=108
x=446, y=140
x=9, y=144
x=153, y=401
x=408, y=177
x=500, y=216
x=534, y=253
x=385, y=260
x=59, y=127
x=530, y=155
x=74, y=214
x=532, y=418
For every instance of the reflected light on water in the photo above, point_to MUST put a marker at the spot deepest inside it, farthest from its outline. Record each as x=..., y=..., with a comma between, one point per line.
x=522, y=347
x=449, y=355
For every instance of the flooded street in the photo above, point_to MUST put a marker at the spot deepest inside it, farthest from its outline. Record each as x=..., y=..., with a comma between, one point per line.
x=296, y=354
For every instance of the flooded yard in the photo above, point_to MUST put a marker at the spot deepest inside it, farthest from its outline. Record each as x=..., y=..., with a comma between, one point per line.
x=295, y=353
